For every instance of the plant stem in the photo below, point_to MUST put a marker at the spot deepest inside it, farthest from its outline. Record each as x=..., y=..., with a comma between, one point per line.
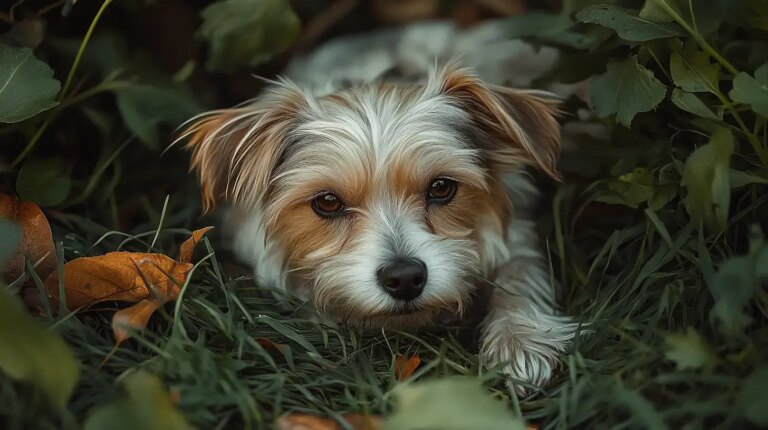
x=761, y=152
x=696, y=36
x=81, y=50
x=105, y=86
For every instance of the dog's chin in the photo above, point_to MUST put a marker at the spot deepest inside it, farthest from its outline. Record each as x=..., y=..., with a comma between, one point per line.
x=401, y=317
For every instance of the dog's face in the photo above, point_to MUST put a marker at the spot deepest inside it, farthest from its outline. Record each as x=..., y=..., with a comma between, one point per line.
x=379, y=197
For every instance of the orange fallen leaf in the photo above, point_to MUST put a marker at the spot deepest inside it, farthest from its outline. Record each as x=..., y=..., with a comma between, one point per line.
x=311, y=422
x=120, y=276
x=267, y=343
x=404, y=368
x=36, y=239
x=188, y=247
x=134, y=317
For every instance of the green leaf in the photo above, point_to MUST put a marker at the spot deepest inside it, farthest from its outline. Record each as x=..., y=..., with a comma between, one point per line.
x=27, y=86
x=145, y=107
x=706, y=177
x=247, y=32
x=694, y=73
x=734, y=285
x=651, y=11
x=145, y=405
x=692, y=104
x=33, y=354
x=708, y=15
x=627, y=24
x=637, y=187
x=752, y=91
x=739, y=179
x=45, y=182
x=454, y=403
x=626, y=89
x=753, y=397
x=11, y=234
x=688, y=350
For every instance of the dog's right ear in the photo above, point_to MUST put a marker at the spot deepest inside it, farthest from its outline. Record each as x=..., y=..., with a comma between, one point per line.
x=235, y=151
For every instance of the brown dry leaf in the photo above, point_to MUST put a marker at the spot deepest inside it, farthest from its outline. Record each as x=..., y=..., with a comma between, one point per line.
x=311, y=422
x=266, y=343
x=36, y=239
x=188, y=247
x=118, y=276
x=135, y=317
x=404, y=368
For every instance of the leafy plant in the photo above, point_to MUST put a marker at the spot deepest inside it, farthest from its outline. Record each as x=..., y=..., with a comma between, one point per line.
x=656, y=235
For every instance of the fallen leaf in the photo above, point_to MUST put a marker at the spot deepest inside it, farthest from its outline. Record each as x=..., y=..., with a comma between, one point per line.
x=311, y=422
x=121, y=276
x=29, y=350
x=266, y=343
x=404, y=367
x=36, y=240
x=145, y=405
x=188, y=247
x=133, y=318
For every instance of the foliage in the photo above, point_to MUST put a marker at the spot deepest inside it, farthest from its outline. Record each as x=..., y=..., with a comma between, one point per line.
x=655, y=235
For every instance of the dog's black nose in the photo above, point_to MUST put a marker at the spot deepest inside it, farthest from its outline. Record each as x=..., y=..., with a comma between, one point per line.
x=403, y=278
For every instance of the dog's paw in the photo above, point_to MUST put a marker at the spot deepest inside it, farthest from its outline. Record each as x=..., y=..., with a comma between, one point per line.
x=530, y=358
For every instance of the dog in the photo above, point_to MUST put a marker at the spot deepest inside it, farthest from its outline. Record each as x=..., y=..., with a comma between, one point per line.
x=387, y=203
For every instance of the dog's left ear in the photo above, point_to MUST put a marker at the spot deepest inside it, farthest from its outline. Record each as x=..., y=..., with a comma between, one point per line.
x=517, y=127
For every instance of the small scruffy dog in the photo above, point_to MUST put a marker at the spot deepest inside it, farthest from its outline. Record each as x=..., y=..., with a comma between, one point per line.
x=386, y=203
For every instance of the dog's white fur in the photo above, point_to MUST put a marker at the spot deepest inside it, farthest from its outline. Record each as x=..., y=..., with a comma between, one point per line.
x=269, y=158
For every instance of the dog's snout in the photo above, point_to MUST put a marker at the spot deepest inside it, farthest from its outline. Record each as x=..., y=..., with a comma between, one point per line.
x=403, y=278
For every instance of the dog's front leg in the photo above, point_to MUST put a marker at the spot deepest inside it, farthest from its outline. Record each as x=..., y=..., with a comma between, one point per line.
x=522, y=328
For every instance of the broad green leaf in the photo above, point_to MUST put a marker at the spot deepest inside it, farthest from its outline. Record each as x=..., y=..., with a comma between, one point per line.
x=637, y=187
x=30, y=353
x=145, y=404
x=652, y=11
x=145, y=107
x=734, y=285
x=706, y=177
x=752, y=91
x=27, y=86
x=454, y=403
x=11, y=234
x=688, y=350
x=627, y=24
x=689, y=102
x=246, y=33
x=45, y=182
x=739, y=179
x=626, y=89
x=753, y=397
x=707, y=17
x=694, y=73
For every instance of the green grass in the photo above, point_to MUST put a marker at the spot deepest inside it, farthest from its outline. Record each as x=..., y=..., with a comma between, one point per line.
x=636, y=289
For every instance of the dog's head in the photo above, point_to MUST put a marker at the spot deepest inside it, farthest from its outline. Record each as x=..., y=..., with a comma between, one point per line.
x=378, y=196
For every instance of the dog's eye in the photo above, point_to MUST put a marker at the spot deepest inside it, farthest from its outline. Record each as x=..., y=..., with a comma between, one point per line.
x=441, y=190
x=328, y=205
